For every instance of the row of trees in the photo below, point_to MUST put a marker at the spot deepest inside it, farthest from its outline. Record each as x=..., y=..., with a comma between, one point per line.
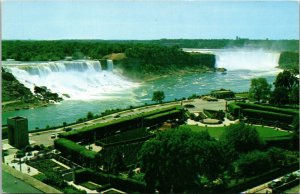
x=286, y=89
x=177, y=159
x=180, y=160
x=55, y=50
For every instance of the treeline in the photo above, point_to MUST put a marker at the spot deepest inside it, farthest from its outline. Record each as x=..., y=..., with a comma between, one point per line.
x=139, y=60
x=289, y=60
x=96, y=49
x=151, y=60
x=57, y=50
x=280, y=45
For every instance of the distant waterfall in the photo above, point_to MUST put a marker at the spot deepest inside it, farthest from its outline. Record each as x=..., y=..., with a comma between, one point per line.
x=110, y=65
x=243, y=59
x=256, y=60
x=82, y=79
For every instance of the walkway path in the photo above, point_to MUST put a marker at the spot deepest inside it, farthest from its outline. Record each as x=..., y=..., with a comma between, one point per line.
x=29, y=180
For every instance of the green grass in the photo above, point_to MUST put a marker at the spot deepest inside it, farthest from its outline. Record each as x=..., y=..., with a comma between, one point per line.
x=264, y=132
x=242, y=95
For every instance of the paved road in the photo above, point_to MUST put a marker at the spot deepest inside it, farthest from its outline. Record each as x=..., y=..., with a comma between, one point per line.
x=44, y=137
x=263, y=188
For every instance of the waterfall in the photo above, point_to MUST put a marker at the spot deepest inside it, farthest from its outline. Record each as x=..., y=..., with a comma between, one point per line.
x=110, y=65
x=243, y=59
x=82, y=79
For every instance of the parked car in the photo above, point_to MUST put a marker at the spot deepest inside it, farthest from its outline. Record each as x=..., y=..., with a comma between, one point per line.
x=53, y=135
x=68, y=129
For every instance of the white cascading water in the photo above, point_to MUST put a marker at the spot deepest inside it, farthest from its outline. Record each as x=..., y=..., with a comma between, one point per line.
x=246, y=59
x=81, y=80
x=110, y=65
x=243, y=58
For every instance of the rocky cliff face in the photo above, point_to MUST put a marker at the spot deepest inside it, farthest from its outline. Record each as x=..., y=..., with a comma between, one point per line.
x=13, y=90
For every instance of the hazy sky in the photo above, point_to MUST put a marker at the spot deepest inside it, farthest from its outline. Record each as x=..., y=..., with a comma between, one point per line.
x=149, y=20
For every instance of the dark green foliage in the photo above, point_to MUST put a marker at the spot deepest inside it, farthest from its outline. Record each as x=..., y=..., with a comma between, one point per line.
x=125, y=184
x=90, y=115
x=117, y=163
x=215, y=114
x=175, y=158
x=258, y=162
x=126, y=135
x=234, y=109
x=286, y=88
x=140, y=59
x=267, y=108
x=260, y=89
x=280, y=96
x=253, y=163
x=222, y=93
x=286, y=79
x=266, y=115
x=158, y=96
x=77, y=152
x=129, y=151
x=7, y=76
x=162, y=117
x=240, y=138
x=289, y=60
x=104, y=129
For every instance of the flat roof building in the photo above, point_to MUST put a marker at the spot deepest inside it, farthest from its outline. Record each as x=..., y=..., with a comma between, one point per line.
x=18, y=131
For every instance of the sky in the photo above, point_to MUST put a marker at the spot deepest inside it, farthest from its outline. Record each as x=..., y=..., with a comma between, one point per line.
x=141, y=20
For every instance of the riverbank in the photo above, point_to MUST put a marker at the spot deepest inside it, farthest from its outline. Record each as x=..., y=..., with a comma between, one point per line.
x=16, y=105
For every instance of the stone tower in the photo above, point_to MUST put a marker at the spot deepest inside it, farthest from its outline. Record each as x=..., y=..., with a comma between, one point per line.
x=18, y=132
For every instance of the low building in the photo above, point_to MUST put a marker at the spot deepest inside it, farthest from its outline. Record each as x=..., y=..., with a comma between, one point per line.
x=18, y=131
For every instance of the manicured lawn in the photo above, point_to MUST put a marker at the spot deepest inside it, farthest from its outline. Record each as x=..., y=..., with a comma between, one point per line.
x=242, y=95
x=215, y=132
x=264, y=132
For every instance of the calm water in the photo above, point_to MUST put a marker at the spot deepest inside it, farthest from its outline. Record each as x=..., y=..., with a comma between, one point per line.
x=173, y=86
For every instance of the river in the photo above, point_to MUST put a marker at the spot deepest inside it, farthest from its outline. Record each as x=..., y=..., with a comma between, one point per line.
x=124, y=93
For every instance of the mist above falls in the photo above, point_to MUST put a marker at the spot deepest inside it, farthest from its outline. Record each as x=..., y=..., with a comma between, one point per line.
x=81, y=80
x=245, y=59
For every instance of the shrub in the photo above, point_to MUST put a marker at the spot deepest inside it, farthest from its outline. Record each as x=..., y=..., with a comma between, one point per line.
x=267, y=108
x=234, y=109
x=77, y=152
x=259, y=114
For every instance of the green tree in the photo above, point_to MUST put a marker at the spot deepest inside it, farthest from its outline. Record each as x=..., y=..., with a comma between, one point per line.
x=239, y=138
x=252, y=163
x=286, y=80
x=90, y=115
x=260, y=89
x=176, y=158
x=158, y=96
x=279, y=96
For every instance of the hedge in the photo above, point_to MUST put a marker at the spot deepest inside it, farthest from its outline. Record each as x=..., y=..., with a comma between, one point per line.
x=162, y=117
x=118, y=182
x=267, y=108
x=234, y=109
x=110, y=127
x=259, y=114
x=77, y=152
